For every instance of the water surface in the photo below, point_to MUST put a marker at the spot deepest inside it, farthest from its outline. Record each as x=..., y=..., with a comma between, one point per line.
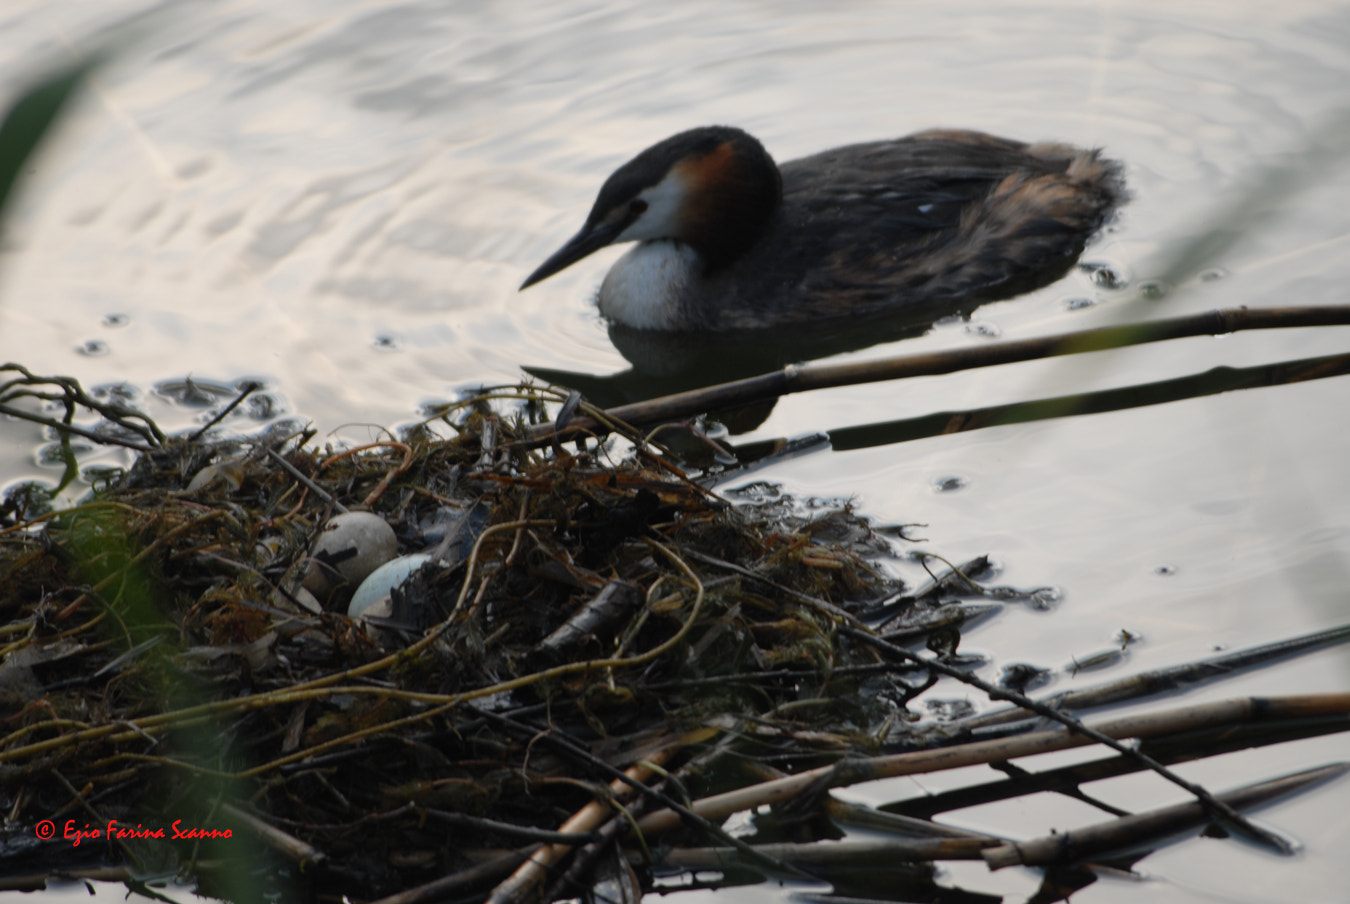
x=340, y=198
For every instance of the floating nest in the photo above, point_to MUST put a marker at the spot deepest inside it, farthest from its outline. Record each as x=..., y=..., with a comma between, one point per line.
x=194, y=684
x=166, y=665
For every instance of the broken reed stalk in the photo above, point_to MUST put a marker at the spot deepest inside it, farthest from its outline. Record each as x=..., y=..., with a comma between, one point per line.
x=1217, y=808
x=1129, y=831
x=837, y=854
x=805, y=377
x=1205, y=715
x=848, y=814
x=245, y=391
x=1198, y=385
x=305, y=480
x=1157, y=681
x=528, y=879
x=1068, y=780
x=574, y=750
x=293, y=848
x=1102, y=839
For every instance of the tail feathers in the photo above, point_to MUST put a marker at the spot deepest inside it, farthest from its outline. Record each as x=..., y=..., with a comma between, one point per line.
x=1032, y=226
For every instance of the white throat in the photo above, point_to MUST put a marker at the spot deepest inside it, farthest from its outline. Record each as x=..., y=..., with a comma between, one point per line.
x=649, y=288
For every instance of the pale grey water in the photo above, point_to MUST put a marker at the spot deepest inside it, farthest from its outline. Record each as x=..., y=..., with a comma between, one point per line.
x=341, y=197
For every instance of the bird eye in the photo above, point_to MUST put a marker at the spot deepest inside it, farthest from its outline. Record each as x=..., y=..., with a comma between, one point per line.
x=636, y=206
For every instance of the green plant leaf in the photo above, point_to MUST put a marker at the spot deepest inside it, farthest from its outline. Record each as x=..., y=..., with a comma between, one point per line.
x=32, y=116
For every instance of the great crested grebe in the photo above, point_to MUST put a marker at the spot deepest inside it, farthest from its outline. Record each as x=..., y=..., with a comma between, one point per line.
x=728, y=240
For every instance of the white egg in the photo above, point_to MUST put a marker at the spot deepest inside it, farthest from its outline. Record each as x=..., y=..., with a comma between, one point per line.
x=376, y=588
x=349, y=547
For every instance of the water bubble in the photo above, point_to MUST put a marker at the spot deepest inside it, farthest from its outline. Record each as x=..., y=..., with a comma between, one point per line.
x=1152, y=290
x=385, y=344
x=984, y=329
x=263, y=407
x=114, y=321
x=1079, y=303
x=1103, y=275
x=949, y=484
x=93, y=348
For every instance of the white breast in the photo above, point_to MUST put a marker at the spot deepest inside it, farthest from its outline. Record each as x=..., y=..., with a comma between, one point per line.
x=649, y=287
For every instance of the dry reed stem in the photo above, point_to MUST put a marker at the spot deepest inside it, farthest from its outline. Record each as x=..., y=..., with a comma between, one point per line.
x=1149, y=827
x=526, y=882
x=302, y=853
x=1142, y=726
x=837, y=854
x=805, y=377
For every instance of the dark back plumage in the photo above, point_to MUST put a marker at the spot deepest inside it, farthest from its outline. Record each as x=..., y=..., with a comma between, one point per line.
x=917, y=222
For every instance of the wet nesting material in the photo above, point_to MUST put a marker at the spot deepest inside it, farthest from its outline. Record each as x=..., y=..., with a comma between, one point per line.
x=168, y=672
x=208, y=668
